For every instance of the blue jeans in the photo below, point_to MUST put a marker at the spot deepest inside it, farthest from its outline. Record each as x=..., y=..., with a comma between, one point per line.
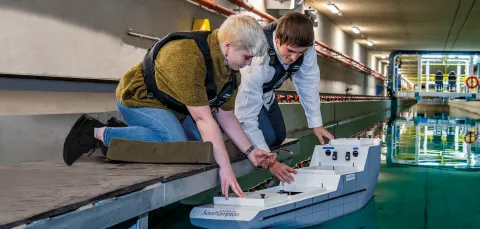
x=271, y=123
x=146, y=124
x=191, y=129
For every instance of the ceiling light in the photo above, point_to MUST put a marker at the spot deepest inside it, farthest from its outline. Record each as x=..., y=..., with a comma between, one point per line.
x=355, y=29
x=332, y=7
x=340, y=14
x=383, y=56
x=369, y=43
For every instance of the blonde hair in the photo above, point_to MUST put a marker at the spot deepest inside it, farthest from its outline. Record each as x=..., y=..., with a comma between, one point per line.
x=244, y=32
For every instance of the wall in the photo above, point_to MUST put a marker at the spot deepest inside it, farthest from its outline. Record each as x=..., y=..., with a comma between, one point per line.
x=330, y=34
x=335, y=77
x=70, y=38
x=87, y=38
x=58, y=38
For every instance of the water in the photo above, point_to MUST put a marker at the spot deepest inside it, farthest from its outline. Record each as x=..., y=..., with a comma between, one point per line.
x=428, y=176
x=434, y=138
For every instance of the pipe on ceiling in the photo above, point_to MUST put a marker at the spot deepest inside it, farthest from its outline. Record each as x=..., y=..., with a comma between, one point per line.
x=213, y=6
x=252, y=9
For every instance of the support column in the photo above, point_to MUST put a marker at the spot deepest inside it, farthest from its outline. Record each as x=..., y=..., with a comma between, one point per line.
x=478, y=77
x=425, y=140
x=467, y=149
x=456, y=138
x=427, y=75
x=417, y=143
x=459, y=73
x=419, y=74
x=142, y=222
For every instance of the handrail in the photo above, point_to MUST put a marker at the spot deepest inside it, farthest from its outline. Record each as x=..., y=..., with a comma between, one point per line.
x=210, y=4
x=333, y=54
x=252, y=9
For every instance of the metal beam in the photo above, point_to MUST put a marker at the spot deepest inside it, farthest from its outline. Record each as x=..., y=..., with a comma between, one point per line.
x=55, y=83
x=109, y=212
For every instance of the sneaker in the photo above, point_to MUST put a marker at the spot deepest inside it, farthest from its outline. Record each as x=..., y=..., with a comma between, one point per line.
x=112, y=122
x=80, y=140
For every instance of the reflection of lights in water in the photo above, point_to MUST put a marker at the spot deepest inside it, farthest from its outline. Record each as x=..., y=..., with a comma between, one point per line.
x=383, y=157
x=403, y=128
x=439, y=143
x=472, y=159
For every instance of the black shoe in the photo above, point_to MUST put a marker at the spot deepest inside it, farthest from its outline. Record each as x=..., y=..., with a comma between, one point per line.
x=80, y=140
x=112, y=122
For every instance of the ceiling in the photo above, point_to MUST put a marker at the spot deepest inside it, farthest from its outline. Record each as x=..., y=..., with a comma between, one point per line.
x=442, y=25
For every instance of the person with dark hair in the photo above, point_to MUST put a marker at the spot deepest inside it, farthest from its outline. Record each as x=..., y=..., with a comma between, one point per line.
x=291, y=54
x=452, y=81
x=439, y=81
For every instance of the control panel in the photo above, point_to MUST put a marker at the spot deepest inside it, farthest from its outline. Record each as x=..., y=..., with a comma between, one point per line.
x=344, y=152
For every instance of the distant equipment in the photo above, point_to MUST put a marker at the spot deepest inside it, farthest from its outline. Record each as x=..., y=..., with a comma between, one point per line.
x=282, y=4
x=312, y=14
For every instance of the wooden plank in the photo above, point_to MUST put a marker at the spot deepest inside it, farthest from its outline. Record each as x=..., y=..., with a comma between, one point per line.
x=191, y=152
x=161, y=152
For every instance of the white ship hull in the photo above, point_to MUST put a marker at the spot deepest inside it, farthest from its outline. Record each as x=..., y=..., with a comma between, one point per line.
x=341, y=179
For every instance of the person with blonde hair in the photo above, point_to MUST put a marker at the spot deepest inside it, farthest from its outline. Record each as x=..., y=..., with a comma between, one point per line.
x=186, y=76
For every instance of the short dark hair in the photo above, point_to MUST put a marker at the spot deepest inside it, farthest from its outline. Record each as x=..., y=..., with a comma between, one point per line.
x=295, y=29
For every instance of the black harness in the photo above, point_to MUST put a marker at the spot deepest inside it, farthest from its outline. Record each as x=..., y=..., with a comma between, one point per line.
x=280, y=73
x=200, y=37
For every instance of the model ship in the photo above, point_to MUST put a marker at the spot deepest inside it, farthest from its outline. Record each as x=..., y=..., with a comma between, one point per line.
x=340, y=179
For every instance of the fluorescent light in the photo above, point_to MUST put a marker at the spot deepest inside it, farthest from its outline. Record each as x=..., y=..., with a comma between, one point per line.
x=332, y=7
x=369, y=43
x=355, y=29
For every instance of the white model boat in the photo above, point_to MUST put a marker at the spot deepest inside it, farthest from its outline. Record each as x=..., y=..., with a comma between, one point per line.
x=341, y=179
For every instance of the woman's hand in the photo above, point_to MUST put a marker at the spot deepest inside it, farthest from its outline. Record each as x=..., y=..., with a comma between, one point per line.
x=228, y=180
x=257, y=156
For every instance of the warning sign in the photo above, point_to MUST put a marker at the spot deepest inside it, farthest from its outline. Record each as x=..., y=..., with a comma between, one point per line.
x=471, y=82
x=470, y=137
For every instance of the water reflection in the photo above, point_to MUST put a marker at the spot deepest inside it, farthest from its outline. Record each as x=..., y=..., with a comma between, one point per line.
x=365, y=218
x=434, y=137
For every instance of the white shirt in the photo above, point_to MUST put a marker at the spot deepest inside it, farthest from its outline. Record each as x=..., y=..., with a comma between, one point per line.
x=250, y=97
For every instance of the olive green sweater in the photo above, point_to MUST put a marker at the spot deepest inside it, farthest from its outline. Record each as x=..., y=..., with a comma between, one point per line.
x=180, y=72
